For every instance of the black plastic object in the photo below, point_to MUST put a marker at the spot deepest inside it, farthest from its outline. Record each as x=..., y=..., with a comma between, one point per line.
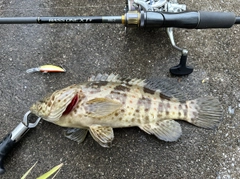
x=181, y=69
x=5, y=146
x=237, y=20
x=216, y=20
x=189, y=20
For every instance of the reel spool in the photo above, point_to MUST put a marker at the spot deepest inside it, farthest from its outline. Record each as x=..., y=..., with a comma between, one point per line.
x=155, y=5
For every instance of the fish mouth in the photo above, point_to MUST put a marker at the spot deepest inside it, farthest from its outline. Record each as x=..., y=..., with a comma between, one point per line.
x=71, y=105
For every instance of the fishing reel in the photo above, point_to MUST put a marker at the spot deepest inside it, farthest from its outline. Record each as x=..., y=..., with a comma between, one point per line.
x=171, y=6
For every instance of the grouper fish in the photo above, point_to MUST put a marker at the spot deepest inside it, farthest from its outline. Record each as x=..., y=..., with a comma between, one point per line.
x=106, y=101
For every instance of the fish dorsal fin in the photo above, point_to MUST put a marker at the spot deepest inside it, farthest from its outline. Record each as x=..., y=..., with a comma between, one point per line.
x=167, y=130
x=166, y=89
x=117, y=79
x=138, y=82
x=102, y=134
x=100, y=107
x=105, y=77
x=76, y=134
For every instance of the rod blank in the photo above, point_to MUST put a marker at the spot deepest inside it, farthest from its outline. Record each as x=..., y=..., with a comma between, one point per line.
x=18, y=20
x=77, y=19
x=237, y=20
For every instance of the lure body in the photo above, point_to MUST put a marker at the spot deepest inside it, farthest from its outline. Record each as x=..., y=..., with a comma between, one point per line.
x=46, y=69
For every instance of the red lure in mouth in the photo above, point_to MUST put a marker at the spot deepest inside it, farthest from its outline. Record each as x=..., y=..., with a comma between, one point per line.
x=71, y=105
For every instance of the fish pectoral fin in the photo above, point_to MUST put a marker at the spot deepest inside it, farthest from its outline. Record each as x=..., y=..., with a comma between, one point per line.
x=76, y=134
x=167, y=130
x=100, y=107
x=102, y=134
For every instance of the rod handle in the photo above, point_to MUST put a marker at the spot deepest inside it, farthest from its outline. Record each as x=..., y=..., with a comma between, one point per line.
x=188, y=19
x=216, y=20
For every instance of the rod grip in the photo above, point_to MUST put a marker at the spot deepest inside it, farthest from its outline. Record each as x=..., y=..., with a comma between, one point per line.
x=216, y=20
x=189, y=19
x=5, y=146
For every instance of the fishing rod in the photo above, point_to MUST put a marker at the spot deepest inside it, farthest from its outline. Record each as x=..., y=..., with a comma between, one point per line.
x=167, y=14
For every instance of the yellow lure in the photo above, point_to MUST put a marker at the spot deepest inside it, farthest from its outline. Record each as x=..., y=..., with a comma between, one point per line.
x=46, y=69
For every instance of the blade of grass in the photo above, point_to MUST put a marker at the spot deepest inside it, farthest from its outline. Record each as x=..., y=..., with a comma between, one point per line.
x=26, y=174
x=56, y=173
x=51, y=172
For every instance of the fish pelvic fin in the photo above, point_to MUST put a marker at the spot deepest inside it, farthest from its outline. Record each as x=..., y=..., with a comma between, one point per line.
x=167, y=130
x=205, y=112
x=102, y=134
x=76, y=134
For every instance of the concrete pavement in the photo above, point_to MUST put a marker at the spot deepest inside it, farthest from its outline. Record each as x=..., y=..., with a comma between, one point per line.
x=86, y=49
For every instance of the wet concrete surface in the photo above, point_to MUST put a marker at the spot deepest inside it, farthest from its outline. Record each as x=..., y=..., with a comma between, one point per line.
x=87, y=49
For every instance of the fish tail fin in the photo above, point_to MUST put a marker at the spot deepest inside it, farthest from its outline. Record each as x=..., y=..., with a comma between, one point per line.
x=205, y=112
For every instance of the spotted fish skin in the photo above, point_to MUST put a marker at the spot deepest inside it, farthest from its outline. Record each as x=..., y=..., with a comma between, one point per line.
x=107, y=101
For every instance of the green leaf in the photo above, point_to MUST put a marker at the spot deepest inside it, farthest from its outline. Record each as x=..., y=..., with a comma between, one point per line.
x=26, y=174
x=51, y=172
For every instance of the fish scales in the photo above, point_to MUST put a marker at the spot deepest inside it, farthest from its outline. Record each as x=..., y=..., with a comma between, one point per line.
x=107, y=101
x=138, y=106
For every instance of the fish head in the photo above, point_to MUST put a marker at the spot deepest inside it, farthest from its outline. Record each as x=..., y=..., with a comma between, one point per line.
x=61, y=102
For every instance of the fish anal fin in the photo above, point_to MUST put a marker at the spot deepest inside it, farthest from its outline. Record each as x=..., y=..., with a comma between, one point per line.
x=76, y=134
x=102, y=134
x=167, y=130
x=100, y=107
